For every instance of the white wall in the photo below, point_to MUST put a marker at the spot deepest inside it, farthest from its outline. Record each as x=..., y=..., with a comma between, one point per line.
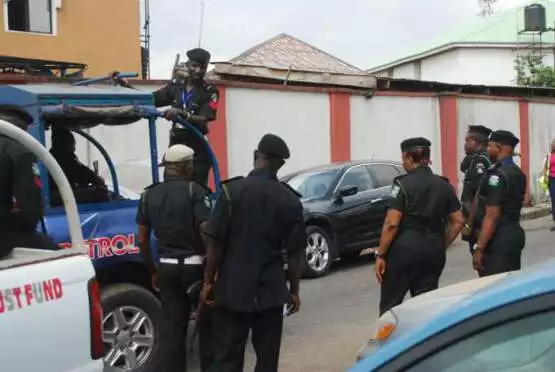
x=379, y=124
x=478, y=66
x=542, y=132
x=493, y=114
x=300, y=118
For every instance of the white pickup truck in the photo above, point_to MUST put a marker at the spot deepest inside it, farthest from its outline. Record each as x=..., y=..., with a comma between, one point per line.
x=50, y=310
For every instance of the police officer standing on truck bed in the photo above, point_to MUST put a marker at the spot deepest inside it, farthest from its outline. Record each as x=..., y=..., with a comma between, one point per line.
x=255, y=220
x=414, y=239
x=175, y=210
x=21, y=207
x=474, y=166
x=501, y=238
x=195, y=101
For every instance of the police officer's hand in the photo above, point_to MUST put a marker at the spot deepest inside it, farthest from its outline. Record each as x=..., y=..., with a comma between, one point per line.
x=477, y=258
x=295, y=304
x=171, y=114
x=380, y=268
x=154, y=281
x=206, y=294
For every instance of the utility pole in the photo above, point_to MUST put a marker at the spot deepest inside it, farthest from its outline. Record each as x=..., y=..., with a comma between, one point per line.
x=486, y=7
x=201, y=25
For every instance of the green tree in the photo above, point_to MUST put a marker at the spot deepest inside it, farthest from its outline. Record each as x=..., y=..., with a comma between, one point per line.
x=530, y=71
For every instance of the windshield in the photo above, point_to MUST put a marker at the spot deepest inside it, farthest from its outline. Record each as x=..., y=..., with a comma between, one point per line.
x=313, y=184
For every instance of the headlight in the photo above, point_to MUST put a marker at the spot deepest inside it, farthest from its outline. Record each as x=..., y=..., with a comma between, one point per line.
x=384, y=327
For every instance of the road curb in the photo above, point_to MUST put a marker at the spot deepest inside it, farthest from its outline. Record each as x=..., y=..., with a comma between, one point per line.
x=536, y=212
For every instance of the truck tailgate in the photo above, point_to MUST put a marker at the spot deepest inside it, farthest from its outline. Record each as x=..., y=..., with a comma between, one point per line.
x=44, y=310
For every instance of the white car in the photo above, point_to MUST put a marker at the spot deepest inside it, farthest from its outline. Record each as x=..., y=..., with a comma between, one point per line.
x=50, y=309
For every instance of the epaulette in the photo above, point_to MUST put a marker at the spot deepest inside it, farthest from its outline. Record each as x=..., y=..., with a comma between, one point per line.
x=292, y=189
x=205, y=187
x=151, y=186
x=444, y=178
x=232, y=179
x=399, y=177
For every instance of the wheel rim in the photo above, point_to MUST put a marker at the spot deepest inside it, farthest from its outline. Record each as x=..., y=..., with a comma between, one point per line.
x=128, y=336
x=317, y=252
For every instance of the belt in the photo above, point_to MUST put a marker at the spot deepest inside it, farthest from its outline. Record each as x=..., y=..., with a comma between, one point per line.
x=192, y=260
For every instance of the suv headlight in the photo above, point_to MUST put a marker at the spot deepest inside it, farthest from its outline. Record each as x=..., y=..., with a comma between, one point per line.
x=384, y=327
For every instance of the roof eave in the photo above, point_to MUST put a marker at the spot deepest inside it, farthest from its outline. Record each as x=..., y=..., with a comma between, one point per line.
x=441, y=49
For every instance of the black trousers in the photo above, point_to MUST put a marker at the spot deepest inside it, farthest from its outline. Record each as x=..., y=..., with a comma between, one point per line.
x=201, y=162
x=174, y=280
x=232, y=334
x=414, y=264
x=11, y=238
x=504, y=250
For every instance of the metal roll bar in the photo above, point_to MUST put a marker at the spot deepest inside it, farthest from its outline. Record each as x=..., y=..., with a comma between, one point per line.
x=59, y=177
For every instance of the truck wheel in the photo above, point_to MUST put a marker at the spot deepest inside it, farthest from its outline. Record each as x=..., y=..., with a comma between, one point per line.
x=131, y=329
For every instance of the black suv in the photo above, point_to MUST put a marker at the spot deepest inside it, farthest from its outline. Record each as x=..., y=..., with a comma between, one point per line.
x=344, y=208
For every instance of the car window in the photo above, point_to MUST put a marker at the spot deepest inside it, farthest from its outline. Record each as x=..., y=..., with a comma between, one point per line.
x=313, y=184
x=357, y=176
x=526, y=344
x=384, y=174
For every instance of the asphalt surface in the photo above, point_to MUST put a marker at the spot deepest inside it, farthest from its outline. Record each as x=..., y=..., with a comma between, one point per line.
x=338, y=310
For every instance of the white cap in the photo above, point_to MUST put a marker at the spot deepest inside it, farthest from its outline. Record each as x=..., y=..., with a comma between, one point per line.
x=177, y=154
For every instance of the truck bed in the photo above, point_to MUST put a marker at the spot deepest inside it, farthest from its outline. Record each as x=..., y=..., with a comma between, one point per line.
x=27, y=256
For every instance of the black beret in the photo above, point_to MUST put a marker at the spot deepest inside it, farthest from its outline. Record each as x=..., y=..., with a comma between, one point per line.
x=479, y=129
x=273, y=145
x=61, y=135
x=504, y=137
x=412, y=143
x=199, y=55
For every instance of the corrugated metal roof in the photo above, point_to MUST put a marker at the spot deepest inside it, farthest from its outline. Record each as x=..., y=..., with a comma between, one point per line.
x=286, y=52
x=500, y=28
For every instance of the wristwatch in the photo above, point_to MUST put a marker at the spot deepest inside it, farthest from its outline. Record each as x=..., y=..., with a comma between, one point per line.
x=378, y=255
x=476, y=248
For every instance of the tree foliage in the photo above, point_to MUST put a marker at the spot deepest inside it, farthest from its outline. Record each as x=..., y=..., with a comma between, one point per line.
x=530, y=71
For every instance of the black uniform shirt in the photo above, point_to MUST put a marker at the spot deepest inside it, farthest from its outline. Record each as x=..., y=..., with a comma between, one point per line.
x=20, y=187
x=261, y=219
x=504, y=185
x=478, y=165
x=174, y=209
x=202, y=102
x=424, y=198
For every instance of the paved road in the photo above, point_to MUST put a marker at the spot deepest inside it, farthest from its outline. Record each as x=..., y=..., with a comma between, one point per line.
x=338, y=310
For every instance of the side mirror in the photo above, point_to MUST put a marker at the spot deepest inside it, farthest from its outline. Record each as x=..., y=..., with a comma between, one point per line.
x=347, y=191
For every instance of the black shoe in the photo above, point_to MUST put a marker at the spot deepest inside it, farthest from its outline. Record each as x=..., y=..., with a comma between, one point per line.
x=552, y=229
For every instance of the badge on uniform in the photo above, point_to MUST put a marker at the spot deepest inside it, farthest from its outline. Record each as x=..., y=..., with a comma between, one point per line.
x=480, y=168
x=36, y=170
x=493, y=181
x=395, y=191
x=207, y=202
x=214, y=101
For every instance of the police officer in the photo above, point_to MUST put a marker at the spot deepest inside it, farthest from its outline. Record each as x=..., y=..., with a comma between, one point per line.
x=411, y=254
x=501, y=238
x=195, y=101
x=21, y=206
x=174, y=210
x=254, y=221
x=474, y=166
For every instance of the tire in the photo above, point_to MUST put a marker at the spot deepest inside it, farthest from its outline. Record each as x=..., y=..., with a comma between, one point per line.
x=134, y=303
x=318, y=253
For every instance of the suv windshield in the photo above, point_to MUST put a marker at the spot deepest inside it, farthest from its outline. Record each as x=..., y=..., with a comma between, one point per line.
x=313, y=184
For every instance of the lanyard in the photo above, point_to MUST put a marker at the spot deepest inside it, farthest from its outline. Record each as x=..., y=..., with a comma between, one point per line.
x=186, y=97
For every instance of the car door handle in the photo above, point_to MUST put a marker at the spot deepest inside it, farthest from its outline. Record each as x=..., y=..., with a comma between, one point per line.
x=374, y=201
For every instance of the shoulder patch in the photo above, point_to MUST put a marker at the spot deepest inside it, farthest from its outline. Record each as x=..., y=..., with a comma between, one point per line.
x=36, y=170
x=291, y=189
x=395, y=190
x=493, y=180
x=207, y=201
x=232, y=179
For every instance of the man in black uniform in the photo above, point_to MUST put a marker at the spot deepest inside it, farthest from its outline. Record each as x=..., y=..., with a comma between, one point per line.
x=474, y=166
x=174, y=210
x=21, y=207
x=501, y=238
x=255, y=220
x=87, y=186
x=195, y=101
x=411, y=254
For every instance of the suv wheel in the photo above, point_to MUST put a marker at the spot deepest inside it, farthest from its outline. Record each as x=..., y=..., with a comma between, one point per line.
x=318, y=252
